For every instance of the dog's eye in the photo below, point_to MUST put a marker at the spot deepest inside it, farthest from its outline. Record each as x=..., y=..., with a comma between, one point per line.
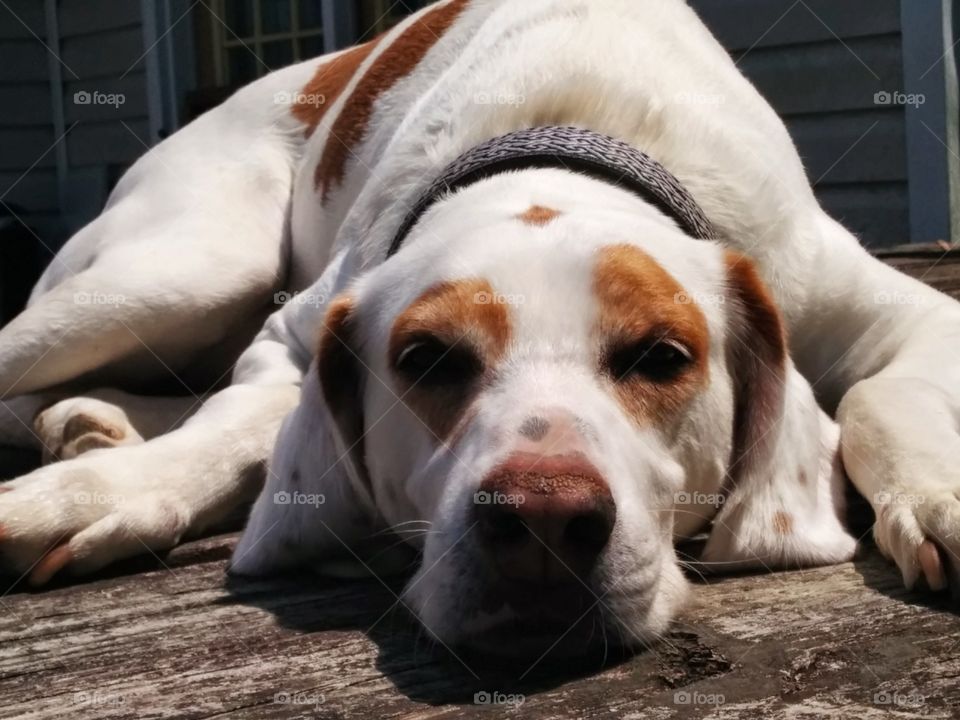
x=429, y=361
x=658, y=360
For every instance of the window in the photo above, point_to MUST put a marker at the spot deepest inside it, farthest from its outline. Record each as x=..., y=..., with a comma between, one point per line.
x=253, y=37
x=238, y=41
x=375, y=16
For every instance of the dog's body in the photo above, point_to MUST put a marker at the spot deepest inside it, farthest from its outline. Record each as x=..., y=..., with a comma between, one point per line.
x=260, y=196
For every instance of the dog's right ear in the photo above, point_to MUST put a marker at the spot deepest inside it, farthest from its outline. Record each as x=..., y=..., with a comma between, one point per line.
x=317, y=508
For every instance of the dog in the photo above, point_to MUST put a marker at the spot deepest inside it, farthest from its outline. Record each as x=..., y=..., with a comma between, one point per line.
x=496, y=286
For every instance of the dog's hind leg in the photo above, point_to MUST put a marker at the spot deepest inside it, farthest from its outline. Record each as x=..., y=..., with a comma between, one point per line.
x=193, y=243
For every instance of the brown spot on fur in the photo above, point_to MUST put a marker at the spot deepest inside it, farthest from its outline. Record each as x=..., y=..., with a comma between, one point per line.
x=328, y=83
x=638, y=303
x=54, y=561
x=394, y=63
x=92, y=441
x=538, y=215
x=458, y=314
x=782, y=523
x=83, y=424
x=803, y=477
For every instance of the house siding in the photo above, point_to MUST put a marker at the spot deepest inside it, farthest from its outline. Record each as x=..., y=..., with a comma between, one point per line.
x=26, y=127
x=103, y=55
x=820, y=64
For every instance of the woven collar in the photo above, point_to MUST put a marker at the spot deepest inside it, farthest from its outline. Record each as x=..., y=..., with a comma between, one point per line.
x=570, y=148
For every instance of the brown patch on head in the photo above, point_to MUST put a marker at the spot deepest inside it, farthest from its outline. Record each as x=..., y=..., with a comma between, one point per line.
x=803, y=477
x=460, y=316
x=639, y=313
x=538, y=215
x=394, y=63
x=328, y=83
x=782, y=523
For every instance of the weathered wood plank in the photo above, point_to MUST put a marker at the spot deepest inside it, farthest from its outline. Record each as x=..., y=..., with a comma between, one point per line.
x=178, y=643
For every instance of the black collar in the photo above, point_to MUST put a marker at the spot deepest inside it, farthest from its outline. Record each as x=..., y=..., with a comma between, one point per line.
x=568, y=148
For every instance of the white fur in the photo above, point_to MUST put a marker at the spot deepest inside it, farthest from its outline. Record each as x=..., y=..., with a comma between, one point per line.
x=205, y=229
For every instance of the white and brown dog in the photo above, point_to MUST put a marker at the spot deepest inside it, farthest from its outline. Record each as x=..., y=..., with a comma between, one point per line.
x=538, y=372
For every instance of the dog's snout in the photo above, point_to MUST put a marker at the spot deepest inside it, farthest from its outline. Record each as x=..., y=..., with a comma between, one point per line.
x=545, y=519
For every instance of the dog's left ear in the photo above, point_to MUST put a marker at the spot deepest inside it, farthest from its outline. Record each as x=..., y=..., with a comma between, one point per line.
x=317, y=508
x=783, y=494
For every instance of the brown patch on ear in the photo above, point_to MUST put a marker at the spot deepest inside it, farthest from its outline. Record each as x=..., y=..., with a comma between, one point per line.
x=782, y=523
x=341, y=378
x=639, y=300
x=538, y=215
x=394, y=63
x=464, y=314
x=330, y=80
x=757, y=358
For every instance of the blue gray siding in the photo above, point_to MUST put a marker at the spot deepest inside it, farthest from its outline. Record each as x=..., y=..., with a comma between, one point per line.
x=821, y=63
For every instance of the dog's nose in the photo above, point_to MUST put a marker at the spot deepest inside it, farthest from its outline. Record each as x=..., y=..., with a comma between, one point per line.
x=544, y=519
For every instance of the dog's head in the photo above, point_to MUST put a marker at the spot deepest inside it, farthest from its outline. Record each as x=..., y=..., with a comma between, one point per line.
x=540, y=396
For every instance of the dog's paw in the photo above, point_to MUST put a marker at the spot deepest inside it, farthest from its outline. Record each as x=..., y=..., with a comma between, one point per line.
x=72, y=427
x=920, y=531
x=81, y=515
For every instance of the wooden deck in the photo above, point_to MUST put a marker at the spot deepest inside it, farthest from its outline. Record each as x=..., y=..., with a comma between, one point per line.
x=172, y=638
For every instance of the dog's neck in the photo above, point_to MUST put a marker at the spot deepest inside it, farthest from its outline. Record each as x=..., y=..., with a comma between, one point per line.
x=574, y=149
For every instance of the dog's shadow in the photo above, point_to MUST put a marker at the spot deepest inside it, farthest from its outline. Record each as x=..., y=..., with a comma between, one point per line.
x=882, y=575
x=421, y=668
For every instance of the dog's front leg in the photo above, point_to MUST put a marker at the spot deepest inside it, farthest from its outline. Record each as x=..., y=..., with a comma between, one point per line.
x=900, y=444
x=883, y=349
x=85, y=513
